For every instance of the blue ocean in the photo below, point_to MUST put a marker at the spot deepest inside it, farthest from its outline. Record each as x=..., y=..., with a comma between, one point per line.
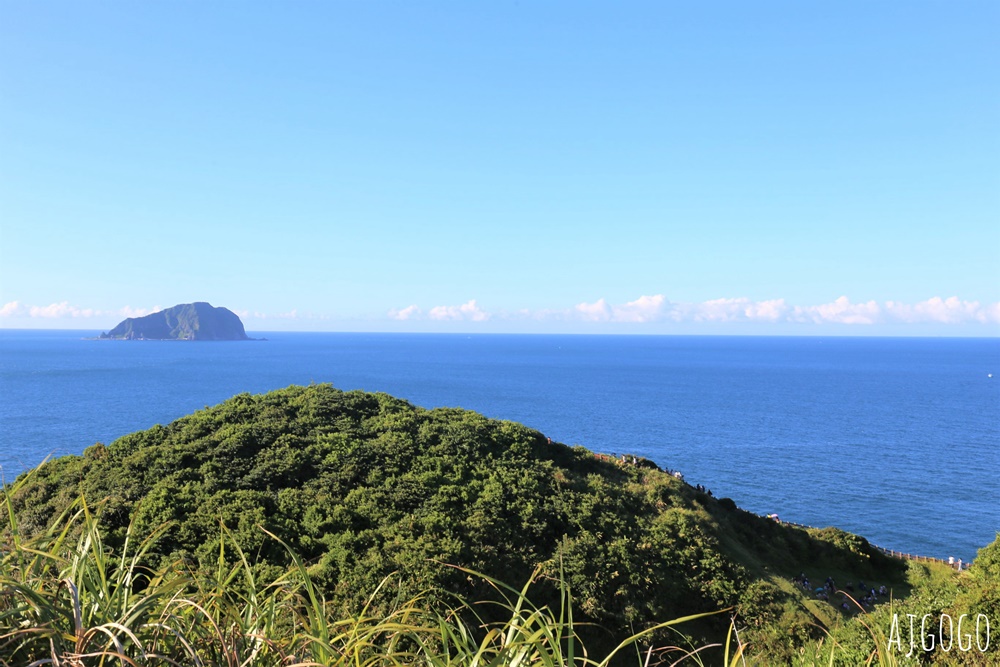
x=892, y=438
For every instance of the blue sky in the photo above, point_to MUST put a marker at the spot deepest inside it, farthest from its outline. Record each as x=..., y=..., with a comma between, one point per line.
x=665, y=167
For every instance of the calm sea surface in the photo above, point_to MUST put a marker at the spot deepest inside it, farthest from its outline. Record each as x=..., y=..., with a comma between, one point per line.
x=895, y=439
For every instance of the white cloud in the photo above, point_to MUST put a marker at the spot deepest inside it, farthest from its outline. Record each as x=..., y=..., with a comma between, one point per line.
x=768, y=311
x=992, y=312
x=62, y=309
x=720, y=310
x=409, y=313
x=643, y=309
x=841, y=311
x=13, y=309
x=657, y=307
x=946, y=311
x=599, y=311
x=737, y=310
x=467, y=311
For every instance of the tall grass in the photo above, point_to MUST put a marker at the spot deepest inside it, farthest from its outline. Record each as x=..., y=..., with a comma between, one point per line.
x=67, y=600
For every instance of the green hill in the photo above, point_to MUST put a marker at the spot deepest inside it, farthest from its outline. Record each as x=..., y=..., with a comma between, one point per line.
x=362, y=485
x=187, y=321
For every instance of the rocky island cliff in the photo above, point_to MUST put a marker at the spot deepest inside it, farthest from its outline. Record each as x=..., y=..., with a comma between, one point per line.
x=187, y=321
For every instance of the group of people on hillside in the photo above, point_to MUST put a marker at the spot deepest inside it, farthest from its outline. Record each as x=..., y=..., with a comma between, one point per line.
x=863, y=594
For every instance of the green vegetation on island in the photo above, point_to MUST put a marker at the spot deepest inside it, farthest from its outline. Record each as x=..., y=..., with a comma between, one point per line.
x=187, y=321
x=362, y=506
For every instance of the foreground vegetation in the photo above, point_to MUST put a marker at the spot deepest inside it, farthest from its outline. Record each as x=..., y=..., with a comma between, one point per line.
x=313, y=526
x=938, y=601
x=66, y=599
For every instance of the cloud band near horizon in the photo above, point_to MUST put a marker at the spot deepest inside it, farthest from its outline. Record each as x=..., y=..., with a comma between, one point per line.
x=657, y=308
x=645, y=309
x=65, y=310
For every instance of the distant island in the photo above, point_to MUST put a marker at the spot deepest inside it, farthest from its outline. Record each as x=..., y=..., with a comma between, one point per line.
x=186, y=321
